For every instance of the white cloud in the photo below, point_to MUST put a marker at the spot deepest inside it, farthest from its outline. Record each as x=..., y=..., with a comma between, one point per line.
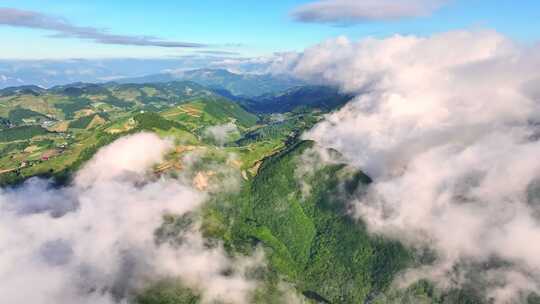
x=222, y=133
x=275, y=64
x=94, y=242
x=358, y=11
x=447, y=127
x=63, y=29
x=127, y=155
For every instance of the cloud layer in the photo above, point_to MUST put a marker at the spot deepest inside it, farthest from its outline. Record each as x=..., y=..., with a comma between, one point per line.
x=448, y=128
x=64, y=29
x=360, y=11
x=94, y=242
x=221, y=133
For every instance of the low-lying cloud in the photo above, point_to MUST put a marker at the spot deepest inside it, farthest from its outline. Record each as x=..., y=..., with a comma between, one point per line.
x=448, y=128
x=360, y=11
x=94, y=241
x=64, y=29
x=221, y=134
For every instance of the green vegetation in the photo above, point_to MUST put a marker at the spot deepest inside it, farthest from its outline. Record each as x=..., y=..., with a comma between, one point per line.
x=21, y=133
x=13, y=146
x=119, y=103
x=69, y=108
x=199, y=114
x=310, y=239
x=151, y=121
x=288, y=125
x=85, y=121
x=224, y=110
x=18, y=115
x=298, y=214
x=168, y=292
x=304, y=97
x=72, y=101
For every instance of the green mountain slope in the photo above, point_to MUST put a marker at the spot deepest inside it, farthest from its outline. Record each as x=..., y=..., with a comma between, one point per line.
x=20, y=90
x=21, y=115
x=87, y=122
x=289, y=202
x=81, y=99
x=21, y=133
x=305, y=97
x=204, y=112
x=51, y=132
x=309, y=237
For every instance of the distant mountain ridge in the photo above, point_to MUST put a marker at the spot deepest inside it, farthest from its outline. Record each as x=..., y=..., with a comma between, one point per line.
x=323, y=98
x=84, y=88
x=79, y=95
x=66, y=102
x=243, y=85
x=49, y=73
x=27, y=89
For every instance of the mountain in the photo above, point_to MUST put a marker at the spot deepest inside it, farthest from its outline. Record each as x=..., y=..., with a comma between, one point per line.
x=49, y=73
x=17, y=90
x=68, y=123
x=245, y=85
x=308, y=97
x=71, y=119
x=308, y=229
x=287, y=201
x=205, y=112
x=80, y=99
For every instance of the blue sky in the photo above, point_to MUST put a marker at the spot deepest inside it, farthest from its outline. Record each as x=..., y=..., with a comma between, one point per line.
x=250, y=28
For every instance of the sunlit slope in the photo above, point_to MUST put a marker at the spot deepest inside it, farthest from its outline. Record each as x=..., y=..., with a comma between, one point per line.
x=35, y=105
x=60, y=148
x=204, y=112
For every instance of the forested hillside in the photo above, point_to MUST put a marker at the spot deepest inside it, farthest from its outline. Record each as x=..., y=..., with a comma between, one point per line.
x=268, y=190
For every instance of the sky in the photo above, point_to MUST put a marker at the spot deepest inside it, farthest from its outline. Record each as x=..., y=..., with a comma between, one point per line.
x=61, y=29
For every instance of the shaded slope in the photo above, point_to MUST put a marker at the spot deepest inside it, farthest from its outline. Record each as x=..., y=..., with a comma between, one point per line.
x=306, y=97
x=21, y=133
x=310, y=238
x=19, y=115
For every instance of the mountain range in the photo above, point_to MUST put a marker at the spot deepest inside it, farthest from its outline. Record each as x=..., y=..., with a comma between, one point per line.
x=241, y=85
x=298, y=217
